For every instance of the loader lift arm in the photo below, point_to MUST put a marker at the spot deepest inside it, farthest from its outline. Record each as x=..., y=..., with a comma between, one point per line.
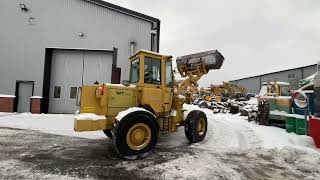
x=192, y=80
x=194, y=66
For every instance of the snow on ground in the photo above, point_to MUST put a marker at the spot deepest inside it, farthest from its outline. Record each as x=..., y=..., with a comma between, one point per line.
x=50, y=123
x=228, y=138
x=229, y=133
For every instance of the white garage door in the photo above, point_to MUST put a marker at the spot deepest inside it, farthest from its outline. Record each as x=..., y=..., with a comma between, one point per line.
x=72, y=69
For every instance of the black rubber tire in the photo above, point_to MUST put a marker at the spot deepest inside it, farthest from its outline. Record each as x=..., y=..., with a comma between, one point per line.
x=122, y=127
x=108, y=133
x=190, y=127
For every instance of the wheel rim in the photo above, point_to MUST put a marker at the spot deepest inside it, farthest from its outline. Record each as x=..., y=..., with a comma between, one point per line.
x=201, y=126
x=138, y=136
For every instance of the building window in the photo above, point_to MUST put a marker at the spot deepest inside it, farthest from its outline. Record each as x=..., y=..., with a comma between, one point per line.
x=57, y=92
x=73, y=92
x=292, y=75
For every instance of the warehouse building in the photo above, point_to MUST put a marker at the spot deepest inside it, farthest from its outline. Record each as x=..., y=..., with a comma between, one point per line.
x=49, y=48
x=253, y=84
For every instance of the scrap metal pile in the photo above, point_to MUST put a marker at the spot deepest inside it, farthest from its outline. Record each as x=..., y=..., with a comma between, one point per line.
x=245, y=108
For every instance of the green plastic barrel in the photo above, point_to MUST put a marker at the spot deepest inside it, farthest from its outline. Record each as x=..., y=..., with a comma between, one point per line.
x=290, y=123
x=301, y=125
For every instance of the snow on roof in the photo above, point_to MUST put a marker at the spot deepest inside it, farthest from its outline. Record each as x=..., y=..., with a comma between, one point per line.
x=278, y=82
x=284, y=97
x=151, y=52
x=306, y=86
x=310, y=77
x=7, y=96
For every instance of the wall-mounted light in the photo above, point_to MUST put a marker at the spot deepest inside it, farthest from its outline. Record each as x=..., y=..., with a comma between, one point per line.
x=81, y=34
x=23, y=7
x=154, y=31
x=32, y=20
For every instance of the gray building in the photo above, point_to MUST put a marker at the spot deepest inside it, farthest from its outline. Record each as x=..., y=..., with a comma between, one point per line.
x=253, y=84
x=49, y=48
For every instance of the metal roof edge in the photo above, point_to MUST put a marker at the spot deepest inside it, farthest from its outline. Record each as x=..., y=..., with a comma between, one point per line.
x=124, y=10
x=273, y=72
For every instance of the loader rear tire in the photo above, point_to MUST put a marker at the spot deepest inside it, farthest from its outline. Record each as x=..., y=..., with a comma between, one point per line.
x=196, y=126
x=135, y=135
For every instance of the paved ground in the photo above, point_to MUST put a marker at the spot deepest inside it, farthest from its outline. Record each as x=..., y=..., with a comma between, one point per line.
x=28, y=154
x=32, y=154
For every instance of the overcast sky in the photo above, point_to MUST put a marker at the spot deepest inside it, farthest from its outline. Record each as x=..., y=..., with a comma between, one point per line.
x=255, y=36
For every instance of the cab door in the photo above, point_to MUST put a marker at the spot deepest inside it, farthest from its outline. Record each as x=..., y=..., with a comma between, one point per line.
x=152, y=91
x=167, y=85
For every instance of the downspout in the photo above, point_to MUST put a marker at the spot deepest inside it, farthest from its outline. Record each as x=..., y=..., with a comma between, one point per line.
x=158, y=36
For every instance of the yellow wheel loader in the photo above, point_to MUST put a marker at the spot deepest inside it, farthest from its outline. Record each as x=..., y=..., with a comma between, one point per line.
x=136, y=112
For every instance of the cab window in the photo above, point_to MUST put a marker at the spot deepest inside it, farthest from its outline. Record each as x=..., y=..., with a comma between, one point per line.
x=169, y=74
x=135, y=71
x=152, y=71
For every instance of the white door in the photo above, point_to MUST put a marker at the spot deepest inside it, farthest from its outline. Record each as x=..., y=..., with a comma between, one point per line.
x=71, y=69
x=25, y=92
x=97, y=67
x=66, y=75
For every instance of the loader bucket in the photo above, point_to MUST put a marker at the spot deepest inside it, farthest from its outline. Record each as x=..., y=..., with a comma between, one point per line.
x=208, y=60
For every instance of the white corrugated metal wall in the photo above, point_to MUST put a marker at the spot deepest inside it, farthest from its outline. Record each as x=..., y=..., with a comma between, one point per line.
x=49, y=24
x=292, y=76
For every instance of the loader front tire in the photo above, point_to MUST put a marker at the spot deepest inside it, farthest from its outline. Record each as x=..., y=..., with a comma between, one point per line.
x=135, y=135
x=108, y=133
x=196, y=126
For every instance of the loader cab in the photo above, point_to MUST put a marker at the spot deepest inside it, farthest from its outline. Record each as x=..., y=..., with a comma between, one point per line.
x=152, y=74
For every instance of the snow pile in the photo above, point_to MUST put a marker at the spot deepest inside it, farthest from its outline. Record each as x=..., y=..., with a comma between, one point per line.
x=6, y=113
x=128, y=111
x=227, y=131
x=233, y=134
x=89, y=116
x=252, y=101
